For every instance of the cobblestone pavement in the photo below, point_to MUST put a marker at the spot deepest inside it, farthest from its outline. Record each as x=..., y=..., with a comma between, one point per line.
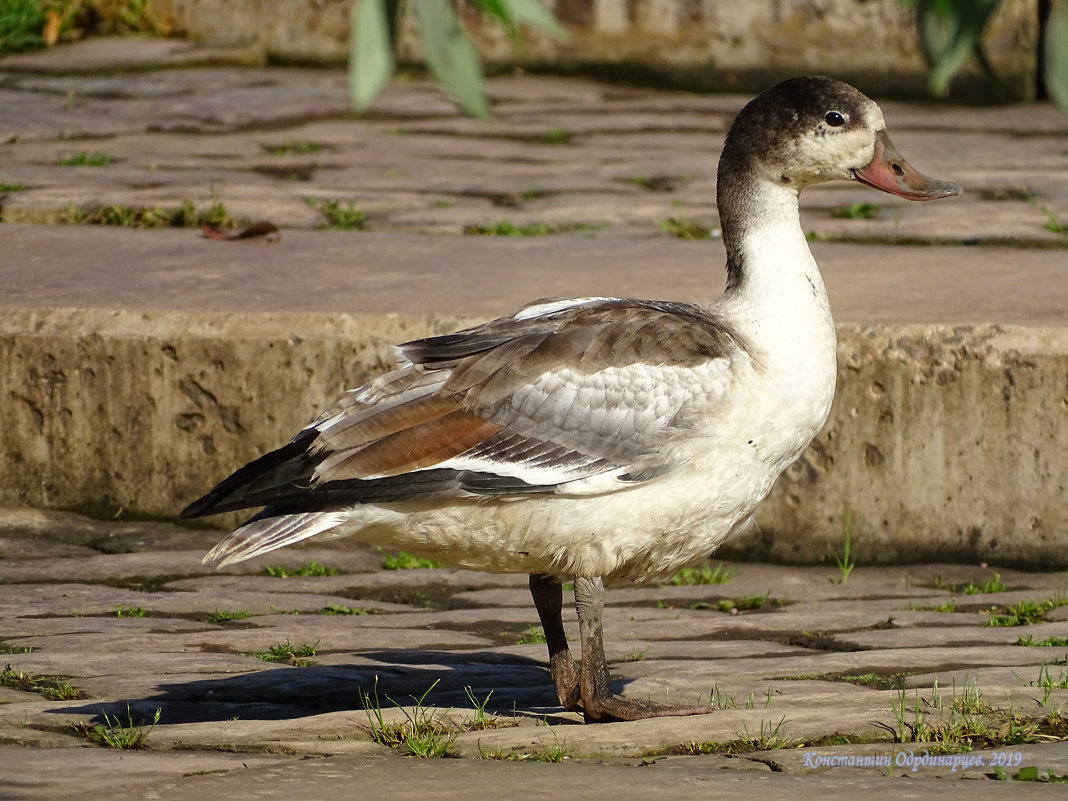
x=809, y=674
x=559, y=154
x=825, y=688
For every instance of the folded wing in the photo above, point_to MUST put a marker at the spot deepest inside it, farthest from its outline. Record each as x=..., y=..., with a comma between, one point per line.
x=563, y=397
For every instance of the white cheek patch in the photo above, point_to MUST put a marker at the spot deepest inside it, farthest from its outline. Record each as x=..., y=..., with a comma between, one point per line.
x=863, y=149
x=873, y=116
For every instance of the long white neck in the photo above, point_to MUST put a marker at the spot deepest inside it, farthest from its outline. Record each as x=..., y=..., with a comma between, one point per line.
x=777, y=303
x=775, y=290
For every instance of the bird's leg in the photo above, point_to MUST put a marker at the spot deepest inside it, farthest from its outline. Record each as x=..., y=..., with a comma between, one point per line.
x=598, y=702
x=549, y=600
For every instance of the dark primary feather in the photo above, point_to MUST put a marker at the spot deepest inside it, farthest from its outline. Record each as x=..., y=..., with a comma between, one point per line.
x=474, y=394
x=274, y=472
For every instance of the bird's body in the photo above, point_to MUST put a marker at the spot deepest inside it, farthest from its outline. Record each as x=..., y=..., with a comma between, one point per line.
x=598, y=439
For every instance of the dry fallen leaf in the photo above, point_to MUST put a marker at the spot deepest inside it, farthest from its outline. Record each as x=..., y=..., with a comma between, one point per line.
x=263, y=228
x=53, y=21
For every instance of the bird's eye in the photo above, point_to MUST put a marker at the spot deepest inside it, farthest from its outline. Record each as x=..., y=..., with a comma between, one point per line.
x=835, y=119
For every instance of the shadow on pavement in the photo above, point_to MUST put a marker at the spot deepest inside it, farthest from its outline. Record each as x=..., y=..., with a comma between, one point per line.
x=519, y=685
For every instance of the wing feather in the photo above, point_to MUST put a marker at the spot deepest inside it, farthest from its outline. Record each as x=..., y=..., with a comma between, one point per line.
x=418, y=446
x=554, y=394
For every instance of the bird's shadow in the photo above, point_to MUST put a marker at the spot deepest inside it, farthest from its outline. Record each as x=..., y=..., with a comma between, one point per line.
x=513, y=685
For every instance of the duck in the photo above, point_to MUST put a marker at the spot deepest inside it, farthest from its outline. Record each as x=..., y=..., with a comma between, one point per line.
x=598, y=440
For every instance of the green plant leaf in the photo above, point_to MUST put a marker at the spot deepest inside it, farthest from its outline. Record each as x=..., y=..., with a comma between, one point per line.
x=451, y=56
x=512, y=14
x=21, y=22
x=534, y=15
x=949, y=33
x=500, y=12
x=1055, y=59
x=371, y=55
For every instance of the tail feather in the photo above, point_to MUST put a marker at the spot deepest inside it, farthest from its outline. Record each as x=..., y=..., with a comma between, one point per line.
x=281, y=468
x=269, y=530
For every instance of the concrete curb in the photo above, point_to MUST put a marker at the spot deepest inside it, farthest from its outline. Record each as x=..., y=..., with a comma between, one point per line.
x=943, y=444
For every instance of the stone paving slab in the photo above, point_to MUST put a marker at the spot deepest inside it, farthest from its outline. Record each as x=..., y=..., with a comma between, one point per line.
x=781, y=671
x=82, y=600
x=933, y=636
x=132, y=566
x=112, y=775
x=352, y=584
x=609, y=139
x=330, y=779
x=106, y=54
x=1019, y=682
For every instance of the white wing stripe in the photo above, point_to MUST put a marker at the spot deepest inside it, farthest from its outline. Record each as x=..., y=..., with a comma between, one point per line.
x=548, y=307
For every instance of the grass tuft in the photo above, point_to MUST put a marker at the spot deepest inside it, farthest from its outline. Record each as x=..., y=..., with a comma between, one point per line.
x=21, y=24
x=556, y=136
x=224, y=616
x=655, y=183
x=114, y=733
x=1029, y=773
x=407, y=561
x=1048, y=681
x=1024, y=613
x=992, y=584
x=948, y=606
x=749, y=602
x=843, y=561
x=1052, y=224
x=703, y=574
x=341, y=609
x=483, y=721
x=308, y=569
x=770, y=738
x=508, y=228
x=534, y=635
x=876, y=681
x=86, y=159
x=1051, y=641
x=296, y=655
x=420, y=734
x=555, y=752
x=51, y=687
x=425, y=732
x=967, y=722
x=855, y=211
x=732, y=606
x=338, y=217
x=295, y=148
x=720, y=700
x=685, y=228
x=183, y=216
